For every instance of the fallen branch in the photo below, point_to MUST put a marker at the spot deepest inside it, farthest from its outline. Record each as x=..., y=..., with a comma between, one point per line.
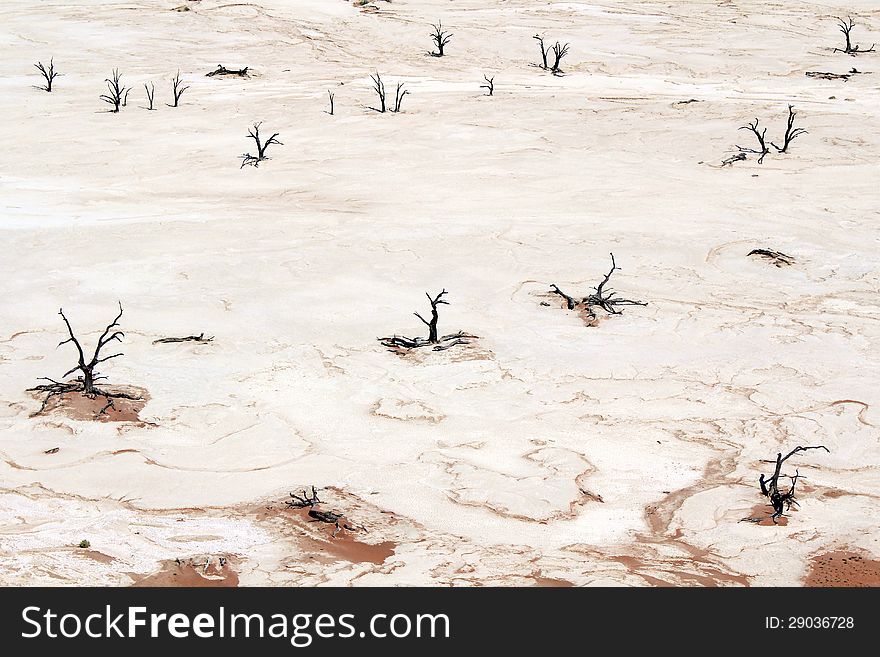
x=777, y=258
x=222, y=70
x=190, y=338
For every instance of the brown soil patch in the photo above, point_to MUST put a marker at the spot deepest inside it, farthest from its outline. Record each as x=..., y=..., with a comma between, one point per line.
x=100, y=557
x=762, y=515
x=843, y=569
x=78, y=406
x=551, y=582
x=192, y=573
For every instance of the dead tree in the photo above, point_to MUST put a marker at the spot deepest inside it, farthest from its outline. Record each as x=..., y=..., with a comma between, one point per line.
x=254, y=133
x=846, y=27
x=781, y=501
x=489, y=86
x=85, y=383
x=544, y=51
x=790, y=132
x=305, y=500
x=48, y=73
x=606, y=299
x=189, y=338
x=774, y=257
x=332, y=97
x=434, y=340
x=738, y=157
x=151, y=93
x=398, y=97
x=177, y=89
x=761, y=136
x=440, y=37
x=310, y=501
x=379, y=88
x=222, y=70
x=117, y=93
x=559, y=51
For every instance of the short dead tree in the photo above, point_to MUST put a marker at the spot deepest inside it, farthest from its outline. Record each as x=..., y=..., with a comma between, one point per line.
x=846, y=26
x=773, y=257
x=559, y=51
x=254, y=160
x=791, y=132
x=86, y=382
x=434, y=340
x=489, y=86
x=440, y=37
x=309, y=500
x=222, y=70
x=398, y=97
x=177, y=89
x=604, y=298
x=379, y=88
x=779, y=500
x=151, y=94
x=189, y=338
x=332, y=98
x=117, y=93
x=306, y=500
x=48, y=73
x=544, y=51
x=760, y=135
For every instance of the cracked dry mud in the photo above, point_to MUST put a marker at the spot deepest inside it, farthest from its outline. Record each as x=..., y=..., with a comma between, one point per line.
x=549, y=453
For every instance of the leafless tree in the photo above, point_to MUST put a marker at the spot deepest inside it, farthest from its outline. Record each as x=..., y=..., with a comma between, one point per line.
x=761, y=136
x=379, y=88
x=117, y=93
x=306, y=500
x=151, y=94
x=332, y=97
x=48, y=73
x=780, y=501
x=85, y=383
x=489, y=86
x=544, y=51
x=309, y=500
x=254, y=133
x=177, y=88
x=439, y=343
x=790, y=132
x=398, y=97
x=440, y=37
x=606, y=299
x=846, y=27
x=559, y=51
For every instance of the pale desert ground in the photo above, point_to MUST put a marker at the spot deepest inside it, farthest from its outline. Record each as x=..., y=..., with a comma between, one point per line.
x=547, y=452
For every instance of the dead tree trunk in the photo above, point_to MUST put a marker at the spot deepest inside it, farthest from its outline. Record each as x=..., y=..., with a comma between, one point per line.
x=151, y=93
x=559, y=51
x=846, y=27
x=432, y=325
x=332, y=97
x=440, y=38
x=48, y=73
x=379, y=88
x=254, y=133
x=780, y=501
x=761, y=136
x=790, y=132
x=489, y=86
x=177, y=89
x=117, y=93
x=398, y=97
x=540, y=41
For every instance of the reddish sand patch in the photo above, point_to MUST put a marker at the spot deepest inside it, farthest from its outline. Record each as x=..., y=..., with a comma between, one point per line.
x=100, y=557
x=78, y=406
x=190, y=574
x=843, y=569
x=762, y=515
x=551, y=582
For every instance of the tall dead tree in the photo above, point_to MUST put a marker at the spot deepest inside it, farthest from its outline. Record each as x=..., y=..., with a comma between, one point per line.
x=177, y=89
x=85, y=382
x=48, y=73
x=761, y=137
x=117, y=93
x=254, y=133
x=559, y=51
x=779, y=500
x=604, y=298
x=151, y=94
x=440, y=37
x=544, y=52
x=489, y=86
x=434, y=339
x=846, y=26
x=398, y=97
x=332, y=97
x=379, y=88
x=791, y=132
